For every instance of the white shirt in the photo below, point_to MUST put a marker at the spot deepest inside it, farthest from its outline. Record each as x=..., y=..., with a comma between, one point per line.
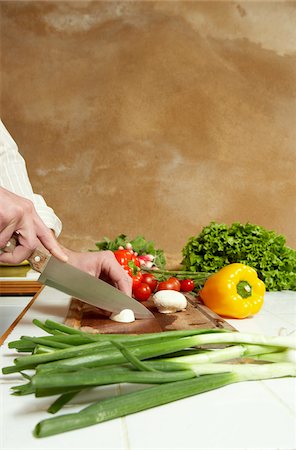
x=14, y=178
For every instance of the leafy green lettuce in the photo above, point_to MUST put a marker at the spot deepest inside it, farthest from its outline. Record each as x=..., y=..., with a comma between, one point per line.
x=218, y=245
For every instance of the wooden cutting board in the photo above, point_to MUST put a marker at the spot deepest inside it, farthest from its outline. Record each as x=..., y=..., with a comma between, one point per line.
x=93, y=320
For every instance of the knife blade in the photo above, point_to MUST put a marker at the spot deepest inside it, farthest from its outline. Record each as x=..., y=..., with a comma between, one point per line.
x=81, y=285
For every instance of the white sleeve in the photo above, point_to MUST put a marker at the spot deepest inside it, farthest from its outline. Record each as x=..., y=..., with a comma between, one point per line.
x=14, y=178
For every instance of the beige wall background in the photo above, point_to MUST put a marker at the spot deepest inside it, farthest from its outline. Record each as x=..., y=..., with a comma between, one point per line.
x=154, y=118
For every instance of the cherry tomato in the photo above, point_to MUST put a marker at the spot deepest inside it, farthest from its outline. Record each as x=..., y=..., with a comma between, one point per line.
x=187, y=285
x=150, y=279
x=176, y=283
x=142, y=292
x=170, y=284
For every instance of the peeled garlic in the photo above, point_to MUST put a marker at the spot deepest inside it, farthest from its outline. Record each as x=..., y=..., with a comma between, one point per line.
x=125, y=316
x=169, y=301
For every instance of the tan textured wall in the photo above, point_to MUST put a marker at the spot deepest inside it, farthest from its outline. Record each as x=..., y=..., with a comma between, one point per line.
x=154, y=117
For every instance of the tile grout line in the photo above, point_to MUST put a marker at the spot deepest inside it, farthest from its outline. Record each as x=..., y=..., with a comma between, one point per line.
x=267, y=388
x=124, y=425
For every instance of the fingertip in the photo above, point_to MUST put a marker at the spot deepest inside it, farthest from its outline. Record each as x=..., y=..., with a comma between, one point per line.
x=59, y=254
x=125, y=287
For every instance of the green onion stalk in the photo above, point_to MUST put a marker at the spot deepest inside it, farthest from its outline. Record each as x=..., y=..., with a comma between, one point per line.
x=122, y=405
x=96, y=355
x=176, y=365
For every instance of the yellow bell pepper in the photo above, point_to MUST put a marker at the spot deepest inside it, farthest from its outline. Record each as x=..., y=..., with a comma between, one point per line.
x=235, y=291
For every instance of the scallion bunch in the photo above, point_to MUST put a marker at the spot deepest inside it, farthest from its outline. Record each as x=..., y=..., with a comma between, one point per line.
x=177, y=364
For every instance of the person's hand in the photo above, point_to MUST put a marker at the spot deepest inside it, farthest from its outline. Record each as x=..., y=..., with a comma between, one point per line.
x=102, y=265
x=17, y=214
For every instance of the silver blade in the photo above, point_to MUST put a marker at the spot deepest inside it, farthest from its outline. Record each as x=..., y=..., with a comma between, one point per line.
x=89, y=289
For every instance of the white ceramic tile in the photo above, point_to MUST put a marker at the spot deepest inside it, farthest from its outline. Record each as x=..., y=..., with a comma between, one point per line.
x=10, y=308
x=14, y=301
x=21, y=414
x=290, y=318
x=285, y=390
x=264, y=322
x=241, y=416
x=50, y=304
x=277, y=302
x=249, y=416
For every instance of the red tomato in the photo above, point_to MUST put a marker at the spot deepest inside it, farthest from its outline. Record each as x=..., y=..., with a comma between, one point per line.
x=170, y=284
x=150, y=279
x=142, y=292
x=187, y=285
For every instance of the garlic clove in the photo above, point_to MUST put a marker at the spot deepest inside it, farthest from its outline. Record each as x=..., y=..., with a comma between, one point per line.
x=124, y=316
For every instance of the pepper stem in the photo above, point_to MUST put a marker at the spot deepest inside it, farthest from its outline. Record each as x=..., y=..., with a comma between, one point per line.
x=244, y=289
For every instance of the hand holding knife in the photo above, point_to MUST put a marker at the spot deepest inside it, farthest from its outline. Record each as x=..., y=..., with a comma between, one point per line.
x=79, y=284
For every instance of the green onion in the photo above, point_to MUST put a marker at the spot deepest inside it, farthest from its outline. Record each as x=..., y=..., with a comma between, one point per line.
x=94, y=377
x=43, y=327
x=210, y=356
x=136, y=362
x=61, y=401
x=148, y=351
x=161, y=335
x=23, y=389
x=42, y=349
x=179, y=364
x=28, y=362
x=46, y=341
x=22, y=345
x=125, y=404
x=133, y=402
x=51, y=325
x=88, y=355
x=288, y=355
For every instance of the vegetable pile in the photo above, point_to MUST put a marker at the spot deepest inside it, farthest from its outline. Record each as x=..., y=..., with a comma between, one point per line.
x=178, y=364
x=218, y=245
x=137, y=256
x=145, y=250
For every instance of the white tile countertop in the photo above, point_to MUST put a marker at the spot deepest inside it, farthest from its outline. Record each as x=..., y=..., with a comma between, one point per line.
x=250, y=415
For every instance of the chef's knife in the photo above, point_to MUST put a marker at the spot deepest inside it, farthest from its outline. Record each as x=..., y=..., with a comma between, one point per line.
x=81, y=285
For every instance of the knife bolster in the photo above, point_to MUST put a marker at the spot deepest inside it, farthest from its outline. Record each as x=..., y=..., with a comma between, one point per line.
x=39, y=259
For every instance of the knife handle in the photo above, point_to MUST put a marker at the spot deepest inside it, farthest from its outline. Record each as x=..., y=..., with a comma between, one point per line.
x=37, y=260
x=10, y=246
